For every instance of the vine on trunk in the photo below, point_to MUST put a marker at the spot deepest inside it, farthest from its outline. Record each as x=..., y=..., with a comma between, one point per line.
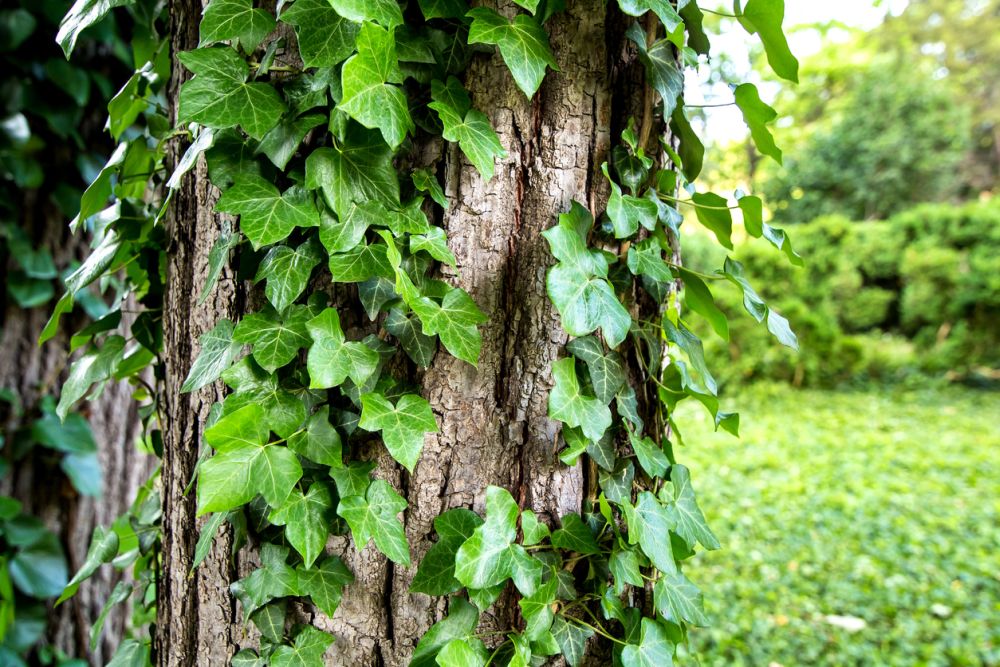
x=309, y=148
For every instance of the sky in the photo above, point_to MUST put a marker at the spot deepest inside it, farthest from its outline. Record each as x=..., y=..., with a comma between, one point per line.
x=725, y=124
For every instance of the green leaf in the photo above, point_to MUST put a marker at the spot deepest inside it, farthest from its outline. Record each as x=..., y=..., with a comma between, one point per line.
x=690, y=150
x=353, y=479
x=247, y=658
x=537, y=609
x=218, y=350
x=266, y=215
x=699, y=299
x=522, y=41
x=690, y=522
x=82, y=15
x=461, y=653
x=276, y=339
x=131, y=653
x=206, y=537
x=331, y=358
x=713, y=212
x=436, y=573
x=374, y=517
x=307, y=518
x=357, y=170
x=455, y=320
x=287, y=272
x=572, y=639
x=650, y=455
x=237, y=21
x=653, y=650
x=627, y=212
x=97, y=365
x=103, y=548
x=678, y=599
x=662, y=70
x=319, y=442
x=307, y=650
x=574, y=535
x=325, y=584
x=270, y=620
x=776, y=324
x=467, y=126
x=403, y=426
x=218, y=257
x=282, y=140
x=220, y=97
x=274, y=579
x=534, y=530
x=570, y=406
x=486, y=559
x=624, y=565
x=650, y=523
x=384, y=12
x=682, y=337
x=663, y=9
x=645, y=258
x=607, y=371
x=325, y=38
x=753, y=220
x=425, y=181
x=369, y=96
x=764, y=18
x=460, y=623
x=757, y=115
x=417, y=345
x=39, y=569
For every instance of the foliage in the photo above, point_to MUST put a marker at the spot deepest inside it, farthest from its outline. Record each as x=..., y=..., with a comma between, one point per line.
x=889, y=137
x=877, y=300
x=309, y=390
x=863, y=520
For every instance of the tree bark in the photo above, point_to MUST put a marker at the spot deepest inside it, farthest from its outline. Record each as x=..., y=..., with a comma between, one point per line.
x=494, y=428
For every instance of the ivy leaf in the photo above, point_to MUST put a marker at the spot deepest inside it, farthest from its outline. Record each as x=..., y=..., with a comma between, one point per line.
x=690, y=522
x=624, y=565
x=384, y=12
x=455, y=320
x=664, y=9
x=241, y=429
x=650, y=523
x=276, y=339
x=282, y=140
x=572, y=639
x=577, y=285
x=677, y=599
x=325, y=584
x=537, y=609
x=235, y=20
x=753, y=220
x=523, y=43
x=331, y=358
x=653, y=650
x=713, y=212
x=374, y=517
x=645, y=258
x=267, y=216
x=97, y=365
x=682, y=337
x=403, y=426
x=534, y=530
x=270, y=620
x=570, y=406
x=218, y=350
x=699, y=299
x=628, y=212
x=425, y=181
x=361, y=263
x=307, y=650
x=465, y=125
x=690, y=150
x=607, y=371
x=660, y=64
x=764, y=18
x=650, y=455
x=357, y=170
x=220, y=97
x=460, y=653
x=274, y=579
x=460, y=623
x=574, y=535
x=343, y=235
x=369, y=96
x=417, y=345
x=776, y=324
x=218, y=256
x=325, y=38
x=436, y=573
x=287, y=272
x=307, y=518
x=247, y=658
x=82, y=15
x=284, y=411
x=486, y=558
x=103, y=548
x=319, y=441
x=757, y=115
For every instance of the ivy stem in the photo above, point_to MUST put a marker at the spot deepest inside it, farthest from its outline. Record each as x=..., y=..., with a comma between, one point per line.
x=724, y=14
x=706, y=276
x=596, y=629
x=695, y=204
x=709, y=106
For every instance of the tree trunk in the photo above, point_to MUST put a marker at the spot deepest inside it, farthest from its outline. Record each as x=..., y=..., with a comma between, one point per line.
x=33, y=372
x=494, y=429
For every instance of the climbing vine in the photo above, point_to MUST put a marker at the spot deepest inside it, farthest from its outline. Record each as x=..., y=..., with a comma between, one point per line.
x=308, y=146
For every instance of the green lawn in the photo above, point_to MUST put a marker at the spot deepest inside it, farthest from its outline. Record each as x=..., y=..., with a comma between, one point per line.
x=881, y=506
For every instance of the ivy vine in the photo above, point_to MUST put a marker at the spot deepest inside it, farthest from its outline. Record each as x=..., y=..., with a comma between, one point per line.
x=304, y=151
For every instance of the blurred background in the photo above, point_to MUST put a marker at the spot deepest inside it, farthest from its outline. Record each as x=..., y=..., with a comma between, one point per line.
x=860, y=509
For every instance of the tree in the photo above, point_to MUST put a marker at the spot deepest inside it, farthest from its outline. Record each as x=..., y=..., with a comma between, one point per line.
x=366, y=372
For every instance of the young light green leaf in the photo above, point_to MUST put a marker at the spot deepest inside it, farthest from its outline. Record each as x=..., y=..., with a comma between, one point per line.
x=369, y=94
x=690, y=522
x=486, y=558
x=470, y=128
x=306, y=518
x=331, y=358
x=757, y=115
x=677, y=599
x=384, y=12
x=522, y=41
x=276, y=340
x=461, y=653
x=653, y=650
x=764, y=18
x=307, y=650
x=460, y=623
x=425, y=181
x=266, y=215
x=570, y=406
x=403, y=426
x=325, y=38
x=236, y=21
x=374, y=517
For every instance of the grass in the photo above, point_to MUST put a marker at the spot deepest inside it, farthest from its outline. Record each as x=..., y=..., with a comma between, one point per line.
x=880, y=507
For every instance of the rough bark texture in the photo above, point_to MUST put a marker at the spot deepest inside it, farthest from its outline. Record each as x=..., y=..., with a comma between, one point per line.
x=493, y=423
x=33, y=372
